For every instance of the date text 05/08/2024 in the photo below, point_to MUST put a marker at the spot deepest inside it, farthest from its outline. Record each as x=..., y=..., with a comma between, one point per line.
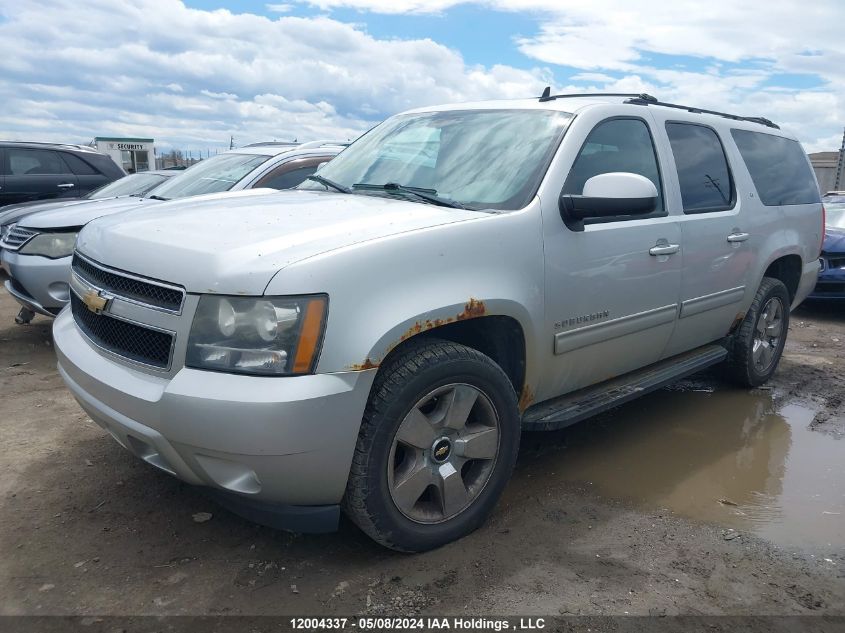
x=418, y=623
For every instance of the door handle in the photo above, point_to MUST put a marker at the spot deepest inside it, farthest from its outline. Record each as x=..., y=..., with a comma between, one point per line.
x=664, y=249
x=738, y=237
x=65, y=185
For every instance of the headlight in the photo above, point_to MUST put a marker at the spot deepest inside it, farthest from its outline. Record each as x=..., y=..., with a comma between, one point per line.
x=267, y=336
x=52, y=245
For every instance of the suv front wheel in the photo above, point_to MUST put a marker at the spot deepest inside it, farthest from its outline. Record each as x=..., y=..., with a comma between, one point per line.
x=437, y=445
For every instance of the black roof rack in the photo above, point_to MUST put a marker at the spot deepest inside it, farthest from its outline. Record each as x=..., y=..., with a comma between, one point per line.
x=548, y=96
x=735, y=117
x=647, y=99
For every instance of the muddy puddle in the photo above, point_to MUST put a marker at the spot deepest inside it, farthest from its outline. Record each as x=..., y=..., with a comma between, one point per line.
x=737, y=459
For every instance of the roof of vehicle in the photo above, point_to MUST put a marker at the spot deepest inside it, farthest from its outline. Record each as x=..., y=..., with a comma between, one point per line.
x=274, y=148
x=42, y=145
x=167, y=173
x=574, y=103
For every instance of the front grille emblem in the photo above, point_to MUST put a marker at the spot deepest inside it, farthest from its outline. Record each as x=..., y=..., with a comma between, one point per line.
x=94, y=302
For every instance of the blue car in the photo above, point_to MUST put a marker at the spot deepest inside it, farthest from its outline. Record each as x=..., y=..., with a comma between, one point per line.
x=831, y=284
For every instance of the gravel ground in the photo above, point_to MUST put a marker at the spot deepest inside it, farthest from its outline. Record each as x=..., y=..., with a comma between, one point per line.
x=85, y=528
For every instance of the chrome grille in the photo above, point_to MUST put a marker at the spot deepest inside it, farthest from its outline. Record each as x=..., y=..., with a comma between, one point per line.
x=148, y=292
x=16, y=237
x=132, y=341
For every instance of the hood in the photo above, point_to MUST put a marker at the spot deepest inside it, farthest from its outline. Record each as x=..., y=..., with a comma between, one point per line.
x=237, y=243
x=82, y=213
x=834, y=240
x=14, y=212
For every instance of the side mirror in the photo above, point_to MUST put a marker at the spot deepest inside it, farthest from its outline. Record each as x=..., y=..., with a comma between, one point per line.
x=608, y=195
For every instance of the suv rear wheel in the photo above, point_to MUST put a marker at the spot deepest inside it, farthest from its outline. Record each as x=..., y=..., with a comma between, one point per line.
x=759, y=342
x=437, y=445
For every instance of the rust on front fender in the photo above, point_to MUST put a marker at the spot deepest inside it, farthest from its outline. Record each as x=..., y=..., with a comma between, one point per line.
x=473, y=309
x=526, y=398
x=367, y=364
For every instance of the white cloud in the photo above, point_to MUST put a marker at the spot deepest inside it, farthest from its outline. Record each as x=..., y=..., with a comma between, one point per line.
x=612, y=42
x=192, y=77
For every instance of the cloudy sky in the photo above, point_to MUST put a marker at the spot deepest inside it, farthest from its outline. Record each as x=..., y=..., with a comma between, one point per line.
x=191, y=73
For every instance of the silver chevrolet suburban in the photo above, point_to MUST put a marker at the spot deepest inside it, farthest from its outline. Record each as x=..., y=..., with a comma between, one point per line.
x=376, y=340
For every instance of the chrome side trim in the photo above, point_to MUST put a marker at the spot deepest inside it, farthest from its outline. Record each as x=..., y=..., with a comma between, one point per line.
x=74, y=286
x=691, y=307
x=623, y=326
x=121, y=273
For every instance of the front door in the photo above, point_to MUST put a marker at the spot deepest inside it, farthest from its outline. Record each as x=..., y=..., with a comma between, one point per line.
x=611, y=290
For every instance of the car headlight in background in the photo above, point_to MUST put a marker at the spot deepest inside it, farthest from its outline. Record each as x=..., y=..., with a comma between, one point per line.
x=267, y=336
x=52, y=245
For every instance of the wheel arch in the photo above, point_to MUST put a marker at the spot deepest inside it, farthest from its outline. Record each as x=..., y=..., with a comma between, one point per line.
x=499, y=329
x=787, y=268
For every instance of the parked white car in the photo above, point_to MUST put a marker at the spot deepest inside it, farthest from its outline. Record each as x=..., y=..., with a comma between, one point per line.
x=377, y=339
x=36, y=251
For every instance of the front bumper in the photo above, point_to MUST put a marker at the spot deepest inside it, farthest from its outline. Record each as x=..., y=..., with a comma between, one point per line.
x=38, y=283
x=830, y=283
x=269, y=444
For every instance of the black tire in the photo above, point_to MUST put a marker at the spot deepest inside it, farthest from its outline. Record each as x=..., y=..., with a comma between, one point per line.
x=741, y=366
x=399, y=387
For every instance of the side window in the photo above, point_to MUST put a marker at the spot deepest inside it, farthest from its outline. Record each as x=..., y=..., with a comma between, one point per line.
x=283, y=177
x=616, y=145
x=78, y=166
x=779, y=168
x=28, y=162
x=705, y=179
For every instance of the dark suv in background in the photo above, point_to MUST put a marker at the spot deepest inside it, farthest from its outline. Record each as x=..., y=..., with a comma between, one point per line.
x=39, y=171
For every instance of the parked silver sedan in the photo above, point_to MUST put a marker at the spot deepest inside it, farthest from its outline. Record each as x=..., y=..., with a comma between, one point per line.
x=36, y=252
x=136, y=185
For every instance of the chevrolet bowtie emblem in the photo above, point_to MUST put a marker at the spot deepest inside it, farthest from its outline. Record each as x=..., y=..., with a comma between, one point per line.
x=94, y=302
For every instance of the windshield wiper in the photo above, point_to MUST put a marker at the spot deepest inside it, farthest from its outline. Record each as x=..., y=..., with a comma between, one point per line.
x=425, y=194
x=329, y=183
x=158, y=198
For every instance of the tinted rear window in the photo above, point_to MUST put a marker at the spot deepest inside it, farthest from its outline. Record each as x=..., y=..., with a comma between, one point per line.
x=779, y=168
x=705, y=179
x=78, y=165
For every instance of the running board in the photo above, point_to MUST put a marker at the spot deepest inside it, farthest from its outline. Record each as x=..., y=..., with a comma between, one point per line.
x=585, y=403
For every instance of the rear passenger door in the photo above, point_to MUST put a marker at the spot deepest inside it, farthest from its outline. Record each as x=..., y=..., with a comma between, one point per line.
x=718, y=242
x=87, y=177
x=36, y=174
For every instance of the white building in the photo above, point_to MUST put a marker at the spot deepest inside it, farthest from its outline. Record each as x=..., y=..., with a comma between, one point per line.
x=133, y=154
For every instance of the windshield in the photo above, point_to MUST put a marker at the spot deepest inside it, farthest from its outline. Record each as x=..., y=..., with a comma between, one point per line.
x=131, y=185
x=835, y=215
x=218, y=173
x=481, y=159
